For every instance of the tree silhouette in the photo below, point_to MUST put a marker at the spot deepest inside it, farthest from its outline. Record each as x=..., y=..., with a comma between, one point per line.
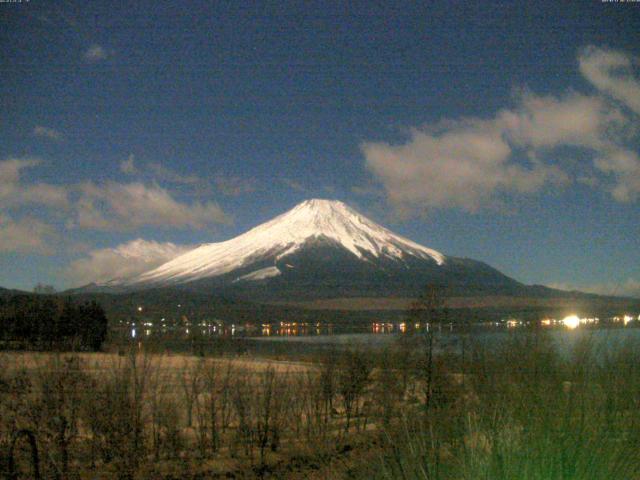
x=429, y=310
x=48, y=322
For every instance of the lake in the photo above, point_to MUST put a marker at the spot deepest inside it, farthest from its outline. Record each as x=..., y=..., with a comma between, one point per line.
x=564, y=338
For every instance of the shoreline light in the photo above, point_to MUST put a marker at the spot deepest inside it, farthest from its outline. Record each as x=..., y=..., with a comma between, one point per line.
x=571, y=322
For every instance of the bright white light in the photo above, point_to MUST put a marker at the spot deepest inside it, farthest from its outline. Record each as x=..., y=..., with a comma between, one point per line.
x=133, y=333
x=572, y=321
x=626, y=319
x=139, y=309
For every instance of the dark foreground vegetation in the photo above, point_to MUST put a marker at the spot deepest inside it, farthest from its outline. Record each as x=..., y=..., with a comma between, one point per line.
x=520, y=409
x=48, y=322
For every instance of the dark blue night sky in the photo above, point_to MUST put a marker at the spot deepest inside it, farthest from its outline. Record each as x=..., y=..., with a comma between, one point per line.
x=504, y=133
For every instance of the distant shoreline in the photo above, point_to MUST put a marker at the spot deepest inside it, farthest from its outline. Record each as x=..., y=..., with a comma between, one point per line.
x=497, y=301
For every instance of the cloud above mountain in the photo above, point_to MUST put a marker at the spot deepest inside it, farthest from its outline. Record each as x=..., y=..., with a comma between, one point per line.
x=14, y=192
x=611, y=72
x=127, y=206
x=125, y=260
x=473, y=163
x=27, y=207
x=25, y=235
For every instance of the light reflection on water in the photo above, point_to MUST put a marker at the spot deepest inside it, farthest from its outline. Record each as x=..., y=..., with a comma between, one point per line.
x=379, y=333
x=295, y=329
x=566, y=340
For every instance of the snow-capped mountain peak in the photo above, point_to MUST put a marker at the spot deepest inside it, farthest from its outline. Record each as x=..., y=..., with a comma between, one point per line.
x=340, y=223
x=315, y=219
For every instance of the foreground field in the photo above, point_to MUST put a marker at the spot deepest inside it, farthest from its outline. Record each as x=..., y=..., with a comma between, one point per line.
x=515, y=410
x=102, y=362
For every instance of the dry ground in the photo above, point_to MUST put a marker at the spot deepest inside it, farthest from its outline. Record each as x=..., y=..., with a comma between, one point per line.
x=101, y=361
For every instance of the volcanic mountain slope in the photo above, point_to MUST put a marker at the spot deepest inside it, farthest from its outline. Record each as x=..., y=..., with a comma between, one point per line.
x=320, y=249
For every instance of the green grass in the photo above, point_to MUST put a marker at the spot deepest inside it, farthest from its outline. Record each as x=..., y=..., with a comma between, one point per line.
x=527, y=412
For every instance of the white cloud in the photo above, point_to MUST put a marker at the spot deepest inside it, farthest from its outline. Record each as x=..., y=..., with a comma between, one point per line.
x=548, y=122
x=231, y=186
x=26, y=235
x=624, y=165
x=95, y=53
x=47, y=132
x=125, y=260
x=11, y=167
x=124, y=206
x=13, y=192
x=128, y=166
x=470, y=163
x=611, y=72
x=44, y=194
x=461, y=164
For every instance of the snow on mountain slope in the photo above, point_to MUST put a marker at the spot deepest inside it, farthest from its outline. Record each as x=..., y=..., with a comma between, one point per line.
x=259, y=274
x=284, y=235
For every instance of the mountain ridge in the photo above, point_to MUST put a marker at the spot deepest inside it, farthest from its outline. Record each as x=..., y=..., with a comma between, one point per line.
x=318, y=249
x=321, y=250
x=283, y=236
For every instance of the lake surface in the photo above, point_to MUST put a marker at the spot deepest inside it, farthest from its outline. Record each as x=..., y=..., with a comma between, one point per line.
x=604, y=338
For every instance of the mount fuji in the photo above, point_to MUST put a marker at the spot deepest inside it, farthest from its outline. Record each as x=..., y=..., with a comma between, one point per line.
x=319, y=249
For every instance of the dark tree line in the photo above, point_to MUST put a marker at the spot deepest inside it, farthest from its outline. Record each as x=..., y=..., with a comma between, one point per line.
x=48, y=322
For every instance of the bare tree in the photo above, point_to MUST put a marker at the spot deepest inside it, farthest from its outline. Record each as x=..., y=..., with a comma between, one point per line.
x=266, y=405
x=113, y=410
x=429, y=310
x=389, y=386
x=353, y=377
x=212, y=405
x=56, y=408
x=158, y=388
x=191, y=382
x=241, y=392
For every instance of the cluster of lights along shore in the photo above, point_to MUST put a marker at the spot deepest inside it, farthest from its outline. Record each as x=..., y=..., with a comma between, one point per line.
x=574, y=321
x=142, y=325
